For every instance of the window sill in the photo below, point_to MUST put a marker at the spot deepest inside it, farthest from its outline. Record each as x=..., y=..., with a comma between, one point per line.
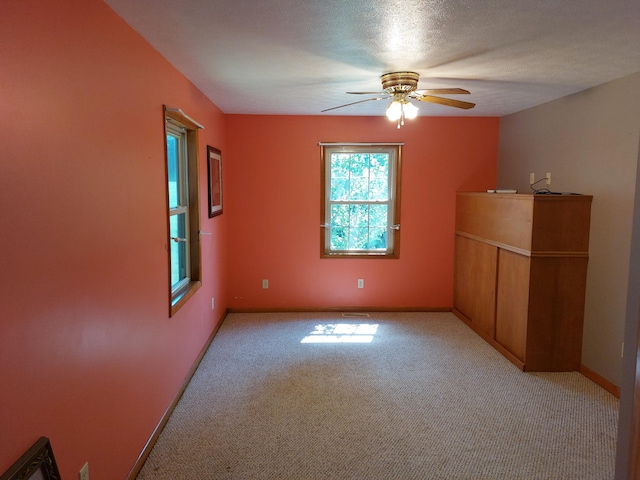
x=359, y=255
x=180, y=298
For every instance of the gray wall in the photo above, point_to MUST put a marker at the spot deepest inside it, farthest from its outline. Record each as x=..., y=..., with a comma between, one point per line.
x=630, y=362
x=589, y=143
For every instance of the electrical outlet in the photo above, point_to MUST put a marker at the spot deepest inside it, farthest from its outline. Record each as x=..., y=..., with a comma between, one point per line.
x=83, y=474
x=265, y=283
x=213, y=303
x=532, y=178
x=361, y=283
x=548, y=178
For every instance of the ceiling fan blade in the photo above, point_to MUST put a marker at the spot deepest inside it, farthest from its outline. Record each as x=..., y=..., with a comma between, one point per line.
x=366, y=93
x=443, y=91
x=446, y=101
x=352, y=103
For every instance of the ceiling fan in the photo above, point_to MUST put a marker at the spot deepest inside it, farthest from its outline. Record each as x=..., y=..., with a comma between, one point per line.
x=402, y=86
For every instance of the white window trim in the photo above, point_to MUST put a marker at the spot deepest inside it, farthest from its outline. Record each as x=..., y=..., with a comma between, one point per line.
x=393, y=221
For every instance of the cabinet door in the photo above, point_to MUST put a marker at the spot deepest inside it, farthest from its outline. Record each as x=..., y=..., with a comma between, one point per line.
x=474, y=289
x=512, y=302
x=556, y=311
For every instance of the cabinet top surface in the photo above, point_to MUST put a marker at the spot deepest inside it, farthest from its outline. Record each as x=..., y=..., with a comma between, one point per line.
x=530, y=196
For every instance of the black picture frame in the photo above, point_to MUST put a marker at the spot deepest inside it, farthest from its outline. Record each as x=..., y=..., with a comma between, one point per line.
x=214, y=174
x=38, y=463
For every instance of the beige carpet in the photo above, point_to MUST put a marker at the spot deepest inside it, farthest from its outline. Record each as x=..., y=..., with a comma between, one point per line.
x=419, y=397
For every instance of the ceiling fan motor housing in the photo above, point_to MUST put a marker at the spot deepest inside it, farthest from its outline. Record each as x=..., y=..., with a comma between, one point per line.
x=400, y=82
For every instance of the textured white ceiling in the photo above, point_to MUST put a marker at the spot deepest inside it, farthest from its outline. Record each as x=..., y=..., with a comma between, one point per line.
x=298, y=57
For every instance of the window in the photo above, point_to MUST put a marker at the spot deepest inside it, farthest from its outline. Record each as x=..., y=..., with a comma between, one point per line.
x=360, y=214
x=182, y=207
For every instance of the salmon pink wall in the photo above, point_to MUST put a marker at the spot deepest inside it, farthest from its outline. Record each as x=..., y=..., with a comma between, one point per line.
x=273, y=206
x=88, y=354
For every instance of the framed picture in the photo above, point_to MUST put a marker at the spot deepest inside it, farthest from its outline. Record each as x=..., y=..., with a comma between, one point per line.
x=214, y=169
x=36, y=464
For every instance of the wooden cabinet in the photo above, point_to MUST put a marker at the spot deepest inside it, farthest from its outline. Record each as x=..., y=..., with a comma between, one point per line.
x=520, y=274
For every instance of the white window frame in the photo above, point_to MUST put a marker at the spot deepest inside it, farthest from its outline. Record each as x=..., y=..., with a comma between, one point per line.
x=181, y=126
x=180, y=133
x=393, y=202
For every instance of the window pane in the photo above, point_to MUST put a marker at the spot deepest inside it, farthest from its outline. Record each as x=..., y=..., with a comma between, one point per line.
x=173, y=167
x=339, y=215
x=339, y=188
x=379, y=165
x=377, y=238
x=339, y=238
x=359, y=188
x=358, y=238
x=378, y=215
x=359, y=165
x=340, y=164
x=359, y=215
x=379, y=189
x=177, y=230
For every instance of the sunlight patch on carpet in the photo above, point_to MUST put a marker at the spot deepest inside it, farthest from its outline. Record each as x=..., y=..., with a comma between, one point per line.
x=342, y=333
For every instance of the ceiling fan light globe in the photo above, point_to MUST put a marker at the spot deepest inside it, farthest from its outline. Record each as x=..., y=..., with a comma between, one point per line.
x=394, y=112
x=410, y=110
